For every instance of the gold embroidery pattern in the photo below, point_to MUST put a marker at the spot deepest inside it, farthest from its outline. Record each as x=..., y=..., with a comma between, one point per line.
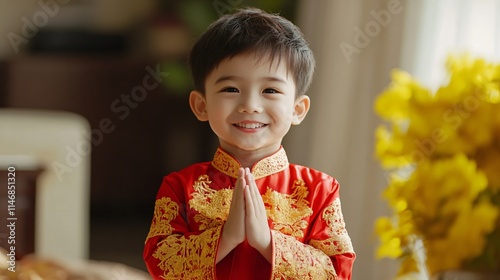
x=212, y=206
x=165, y=211
x=188, y=257
x=294, y=260
x=265, y=167
x=225, y=163
x=289, y=210
x=339, y=242
x=270, y=165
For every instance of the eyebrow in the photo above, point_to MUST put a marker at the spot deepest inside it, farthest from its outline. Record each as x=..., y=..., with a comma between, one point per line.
x=230, y=78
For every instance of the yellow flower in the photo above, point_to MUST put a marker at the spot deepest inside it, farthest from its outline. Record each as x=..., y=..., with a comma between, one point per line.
x=442, y=150
x=392, y=104
x=489, y=161
x=390, y=240
x=443, y=198
x=470, y=229
x=389, y=146
x=467, y=73
x=408, y=265
x=442, y=187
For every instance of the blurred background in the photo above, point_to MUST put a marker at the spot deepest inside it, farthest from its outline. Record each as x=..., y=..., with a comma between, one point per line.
x=94, y=112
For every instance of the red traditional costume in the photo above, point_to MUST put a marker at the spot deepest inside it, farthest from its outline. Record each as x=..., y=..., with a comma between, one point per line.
x=309, y=239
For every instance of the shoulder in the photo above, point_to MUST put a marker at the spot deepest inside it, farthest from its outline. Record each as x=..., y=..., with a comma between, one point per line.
x=177, y=183
x=191, y=171
x=313, y=177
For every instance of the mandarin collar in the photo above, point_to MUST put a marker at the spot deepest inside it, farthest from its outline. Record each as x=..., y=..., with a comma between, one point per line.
x=228, y=165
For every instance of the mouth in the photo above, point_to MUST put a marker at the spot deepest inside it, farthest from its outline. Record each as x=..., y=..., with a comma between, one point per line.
x=248, y=125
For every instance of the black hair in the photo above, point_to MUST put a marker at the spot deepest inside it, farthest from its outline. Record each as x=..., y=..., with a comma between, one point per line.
x=252, y=30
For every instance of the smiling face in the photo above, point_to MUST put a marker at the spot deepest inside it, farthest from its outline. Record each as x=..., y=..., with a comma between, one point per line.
x=250, y=104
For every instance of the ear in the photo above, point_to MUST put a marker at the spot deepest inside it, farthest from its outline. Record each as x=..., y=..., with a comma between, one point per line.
x=198, y=105
x=301, y=108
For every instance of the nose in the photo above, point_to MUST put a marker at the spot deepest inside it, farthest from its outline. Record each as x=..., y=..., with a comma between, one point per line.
x=250, y=103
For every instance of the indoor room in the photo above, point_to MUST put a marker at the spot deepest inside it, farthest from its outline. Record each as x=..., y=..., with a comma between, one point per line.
x=403, y=114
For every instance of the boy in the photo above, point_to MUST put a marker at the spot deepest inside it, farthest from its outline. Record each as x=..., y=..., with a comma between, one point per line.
x=249, y=213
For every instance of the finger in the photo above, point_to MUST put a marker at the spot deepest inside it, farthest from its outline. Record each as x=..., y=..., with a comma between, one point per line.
x=250, y=181
x=240, y=187
x=249, y=204
x=253, y=185
x=241, y=179
x=241, y=175
x=250, y=194
x=257, y=203
x=238, y=196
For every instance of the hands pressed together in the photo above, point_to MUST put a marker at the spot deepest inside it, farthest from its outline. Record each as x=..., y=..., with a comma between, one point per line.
x=247, y=219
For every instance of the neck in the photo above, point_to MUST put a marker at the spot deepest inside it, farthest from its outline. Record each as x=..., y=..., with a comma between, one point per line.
x=249, y=158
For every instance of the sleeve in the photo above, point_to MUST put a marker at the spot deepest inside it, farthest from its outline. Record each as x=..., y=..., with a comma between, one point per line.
x=171, y=249
x=328, y=252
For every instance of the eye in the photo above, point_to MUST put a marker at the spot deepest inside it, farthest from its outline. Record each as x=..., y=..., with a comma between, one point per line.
x=229, y=89
x=271, y=90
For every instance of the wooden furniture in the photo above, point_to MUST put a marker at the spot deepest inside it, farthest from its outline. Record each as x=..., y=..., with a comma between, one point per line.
x=18, y=220
x=138, y=136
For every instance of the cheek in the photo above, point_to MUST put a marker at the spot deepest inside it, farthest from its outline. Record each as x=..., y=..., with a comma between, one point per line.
x=215, y=117
x=218, y=116
x=283, y=113
x=215, y=109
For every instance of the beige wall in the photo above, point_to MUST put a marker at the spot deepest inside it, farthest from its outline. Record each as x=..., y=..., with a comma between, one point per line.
x=337, y=136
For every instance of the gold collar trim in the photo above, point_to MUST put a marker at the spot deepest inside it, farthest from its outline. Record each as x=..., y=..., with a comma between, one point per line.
x=228, y=165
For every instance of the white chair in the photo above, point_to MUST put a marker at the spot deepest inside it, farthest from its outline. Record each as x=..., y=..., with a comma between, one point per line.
x=59, y=142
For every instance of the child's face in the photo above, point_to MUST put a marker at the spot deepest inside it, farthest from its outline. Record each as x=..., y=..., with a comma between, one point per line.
x=250, y=104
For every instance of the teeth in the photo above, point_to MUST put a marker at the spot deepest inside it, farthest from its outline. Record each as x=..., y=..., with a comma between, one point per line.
x=250, y=125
